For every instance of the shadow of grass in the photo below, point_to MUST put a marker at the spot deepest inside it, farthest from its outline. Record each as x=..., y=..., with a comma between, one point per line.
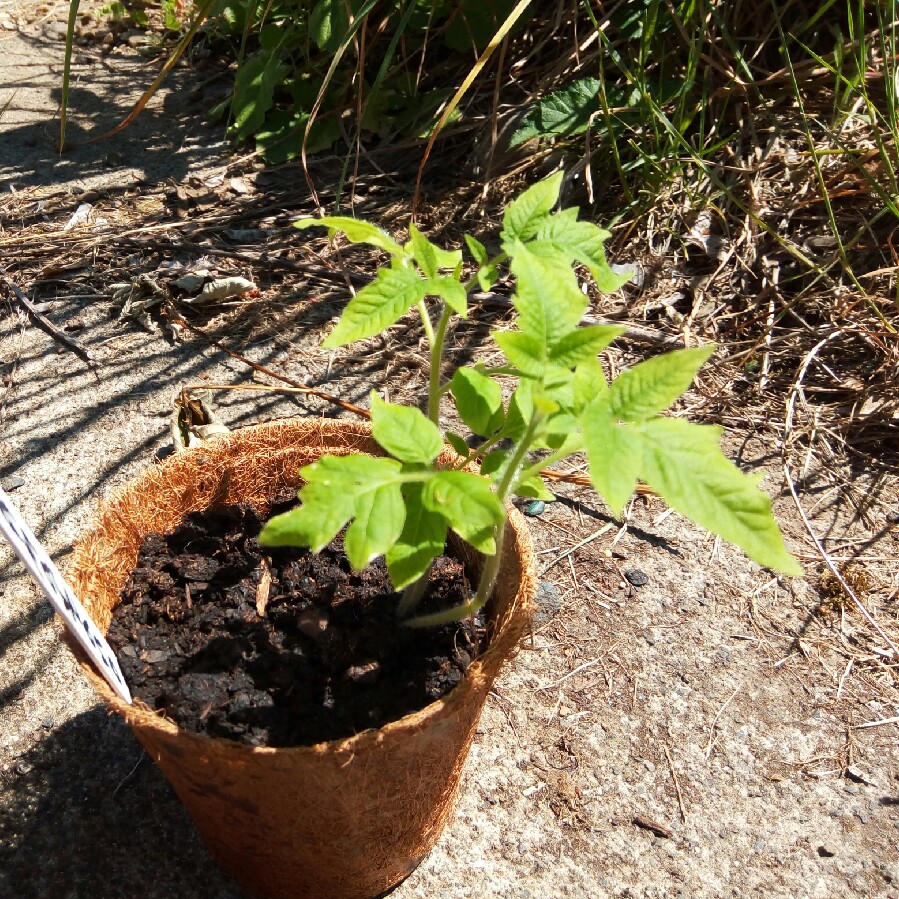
x=85, y=813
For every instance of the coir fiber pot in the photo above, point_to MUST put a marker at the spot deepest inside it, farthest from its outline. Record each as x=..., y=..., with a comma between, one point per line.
x=347, y=819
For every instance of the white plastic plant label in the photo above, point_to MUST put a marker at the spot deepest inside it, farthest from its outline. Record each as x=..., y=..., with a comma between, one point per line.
x=36, y=560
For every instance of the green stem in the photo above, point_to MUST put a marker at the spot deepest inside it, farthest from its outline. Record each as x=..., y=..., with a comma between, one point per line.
x=412, y=595
x=559, y=454
x=510, y=478
x=437, y=341
x=426, y=321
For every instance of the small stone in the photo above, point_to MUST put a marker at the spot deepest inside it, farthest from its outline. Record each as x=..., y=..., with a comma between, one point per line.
x=13, y=482
x=637, y=577
x=23, y=767
x=535, y=508
x=366, y=673
x=47, y=723
x=549, y=602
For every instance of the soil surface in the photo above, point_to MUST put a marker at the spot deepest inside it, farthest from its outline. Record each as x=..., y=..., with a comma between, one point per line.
x=704, y=730
x=279, y=647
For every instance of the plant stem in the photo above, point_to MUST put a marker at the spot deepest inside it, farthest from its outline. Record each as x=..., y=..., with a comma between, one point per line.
x=411, y=595
x=561, y=453
x=427, y=323
x=437, y=341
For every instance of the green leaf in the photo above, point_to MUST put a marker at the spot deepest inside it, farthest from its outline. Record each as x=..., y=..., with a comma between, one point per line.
x=378, y=523
x=589, y=382
x=524, y=215
x=468, y=504
x=579, y=242
x=448, y=259
x=479, y=401
x=477, y=22
x=487, y=276
x=450, y=291
x=422, y=539
x=522, y=350
x=614, y=456
x=458, y=444
x=684, y=464
x=521, y=410
x=280, y=139
x=477, y=250
x=423, y=251
x=404, y=431
x=329, y=23
x=493, y=462
x=583, y=343
x=547, y=297
x=653, y=385
x=564, y=112
x=314, y=524
x=336, y=487
x=534, y=488
x=254, y=92
x=378, y=305
x=356, y=231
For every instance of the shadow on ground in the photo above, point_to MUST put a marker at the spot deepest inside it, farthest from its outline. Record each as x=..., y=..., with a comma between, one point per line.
x=86, y=813
x=169, y=139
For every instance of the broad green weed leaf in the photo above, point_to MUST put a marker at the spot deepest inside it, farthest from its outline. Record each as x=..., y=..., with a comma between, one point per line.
x=564, y=112
x=355, y=230
x=329, y=23
x=404, y=431
x=468, y=504
x=422, y=539
x=377, y=524
x=547, y=297
x=582, y=344
x=477, y=249
x=281, y=137
x=450, y=291
x=653, y=385
x=254, y=92
x=684, y=464
x=579, y=242
x=613, y=453
x=378, y=305
x=524, y=215
x=479, y=401
x=523, y=351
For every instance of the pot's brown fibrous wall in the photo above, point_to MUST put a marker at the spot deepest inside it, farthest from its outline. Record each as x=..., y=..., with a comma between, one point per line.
x=344, y=820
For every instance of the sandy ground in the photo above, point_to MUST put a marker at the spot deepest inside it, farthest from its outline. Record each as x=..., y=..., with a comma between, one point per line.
x=702, y=735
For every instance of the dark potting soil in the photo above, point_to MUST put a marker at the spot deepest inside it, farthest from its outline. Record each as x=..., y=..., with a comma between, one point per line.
x=279, y=647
